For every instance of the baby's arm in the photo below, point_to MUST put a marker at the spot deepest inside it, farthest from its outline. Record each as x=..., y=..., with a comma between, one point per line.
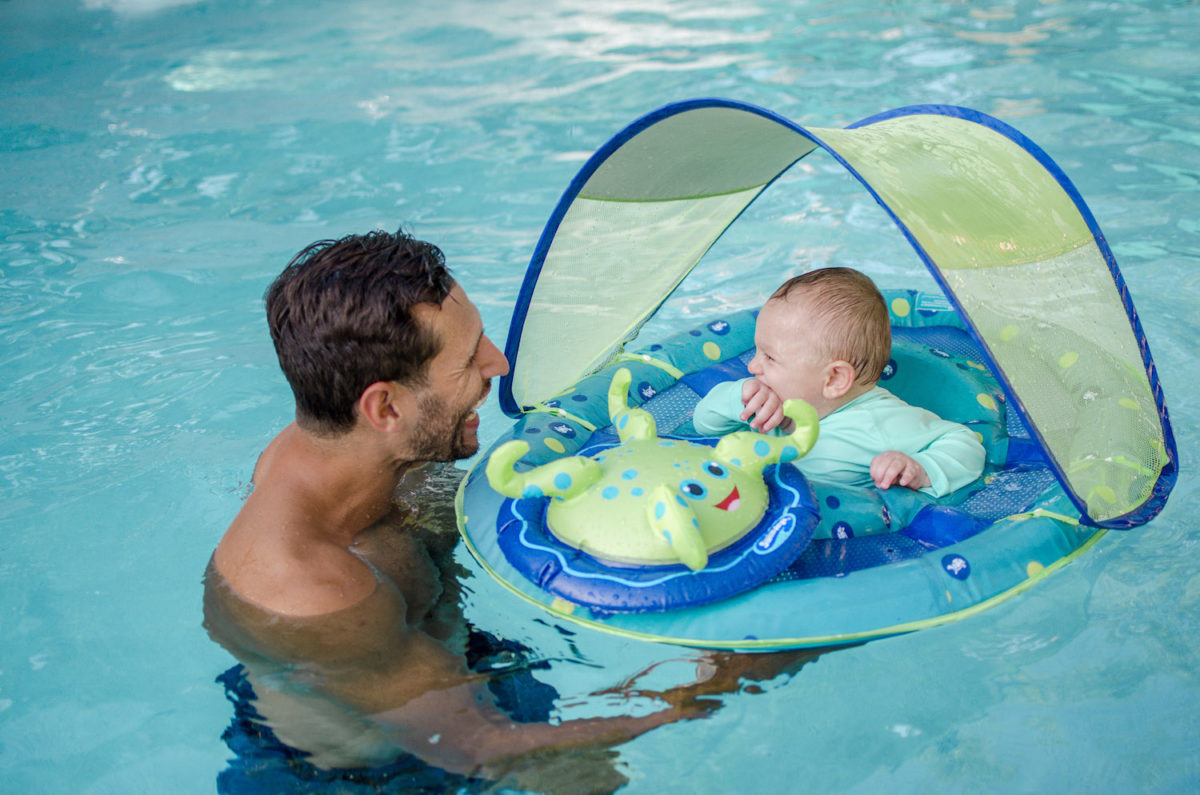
x=718, y=412
x=892, y=467
x=949, y=454
x=952, y=460
x=729, y=407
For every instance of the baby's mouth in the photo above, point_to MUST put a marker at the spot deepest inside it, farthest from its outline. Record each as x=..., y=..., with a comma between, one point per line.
x=731, y=502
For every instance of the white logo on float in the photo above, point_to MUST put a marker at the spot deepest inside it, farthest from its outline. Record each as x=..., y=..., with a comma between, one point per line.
x=776, y=535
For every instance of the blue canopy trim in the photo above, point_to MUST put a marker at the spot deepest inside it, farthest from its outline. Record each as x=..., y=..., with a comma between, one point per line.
x=854, y=155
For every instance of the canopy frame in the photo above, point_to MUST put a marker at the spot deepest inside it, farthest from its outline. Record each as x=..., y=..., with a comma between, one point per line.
x=857, y=159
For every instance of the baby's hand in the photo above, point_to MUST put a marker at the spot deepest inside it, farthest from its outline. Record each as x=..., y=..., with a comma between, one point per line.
x=892, y=466
x=762, y=404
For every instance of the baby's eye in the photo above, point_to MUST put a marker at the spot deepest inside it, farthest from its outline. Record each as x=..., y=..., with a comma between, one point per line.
x=715, y=469
x=694, y=489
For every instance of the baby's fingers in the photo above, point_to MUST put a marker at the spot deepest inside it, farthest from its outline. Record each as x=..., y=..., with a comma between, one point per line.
x=756, y=403
x=885, y=470
x=768, y=413
x=769, y=416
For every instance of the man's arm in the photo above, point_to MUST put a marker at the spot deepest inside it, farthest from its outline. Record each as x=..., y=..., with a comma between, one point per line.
x=433, y=707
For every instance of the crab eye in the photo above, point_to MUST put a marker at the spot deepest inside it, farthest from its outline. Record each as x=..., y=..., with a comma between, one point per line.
x=693, y=489
x=715, y=469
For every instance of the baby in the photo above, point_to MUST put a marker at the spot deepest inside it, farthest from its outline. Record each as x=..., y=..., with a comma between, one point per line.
x=825, y=337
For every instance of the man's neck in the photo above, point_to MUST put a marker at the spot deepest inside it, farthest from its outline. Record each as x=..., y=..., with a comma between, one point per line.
x=346, y=482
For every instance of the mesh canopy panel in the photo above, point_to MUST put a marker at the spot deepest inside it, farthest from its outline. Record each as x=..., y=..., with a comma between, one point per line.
x=653, y=202
x=999, y=226
x=1018, y=257
x=627, y=256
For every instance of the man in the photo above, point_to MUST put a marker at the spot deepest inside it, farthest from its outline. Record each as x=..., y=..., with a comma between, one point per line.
x=331, y=604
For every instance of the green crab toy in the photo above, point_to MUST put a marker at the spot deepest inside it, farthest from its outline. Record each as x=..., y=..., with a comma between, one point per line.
x=653, y=501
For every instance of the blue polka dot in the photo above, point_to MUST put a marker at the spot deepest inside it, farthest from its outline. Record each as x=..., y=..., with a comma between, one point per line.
x=761, y=448
x=629, y=474
x=789, y=454
x=832, y=502
x=660, y=510
x=579, y=398
x=737, y=462
x=532, y=492
x=610, y=493
x=562, y=481
x=666, y=444
x=622, y=421
x=695, y=332
x=842, y=530
x=889, y=370
x=720, y=327
x=533, y=430
x=695, y=524
x=656, y=347
x=680, y=500
x=636, y=491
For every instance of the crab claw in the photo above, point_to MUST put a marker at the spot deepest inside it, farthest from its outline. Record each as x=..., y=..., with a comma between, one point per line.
x=561, y=479
x=755, y=451
x=677, y=525
x=630, y=422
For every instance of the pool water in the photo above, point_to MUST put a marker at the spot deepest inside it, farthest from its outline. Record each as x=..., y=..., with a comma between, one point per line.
x=160, y=160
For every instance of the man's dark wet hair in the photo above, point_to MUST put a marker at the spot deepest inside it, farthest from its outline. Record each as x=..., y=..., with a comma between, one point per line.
x=341, y=319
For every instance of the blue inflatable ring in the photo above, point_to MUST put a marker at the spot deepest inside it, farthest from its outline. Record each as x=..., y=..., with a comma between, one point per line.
x=571, y=574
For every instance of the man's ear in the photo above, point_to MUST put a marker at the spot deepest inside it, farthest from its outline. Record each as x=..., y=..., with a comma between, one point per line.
x=387, y=406
x=839, y=379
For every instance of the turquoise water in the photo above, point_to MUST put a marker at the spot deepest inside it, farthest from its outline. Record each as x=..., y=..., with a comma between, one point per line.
x=160, y=160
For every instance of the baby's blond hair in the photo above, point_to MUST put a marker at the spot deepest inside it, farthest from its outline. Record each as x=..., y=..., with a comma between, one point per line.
x=852, y=317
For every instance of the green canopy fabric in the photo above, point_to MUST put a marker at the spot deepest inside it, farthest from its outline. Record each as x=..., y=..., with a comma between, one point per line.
x=996, y=221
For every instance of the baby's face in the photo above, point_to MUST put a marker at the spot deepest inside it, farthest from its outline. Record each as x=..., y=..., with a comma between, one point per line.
x=788, y=359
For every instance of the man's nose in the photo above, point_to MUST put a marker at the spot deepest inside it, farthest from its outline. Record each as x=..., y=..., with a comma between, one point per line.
x=492, y=360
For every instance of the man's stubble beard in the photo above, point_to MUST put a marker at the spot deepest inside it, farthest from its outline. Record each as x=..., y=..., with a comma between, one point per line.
x=440, y=436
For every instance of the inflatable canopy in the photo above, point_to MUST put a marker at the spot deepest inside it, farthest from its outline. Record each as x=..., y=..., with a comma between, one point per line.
x=1001, y=228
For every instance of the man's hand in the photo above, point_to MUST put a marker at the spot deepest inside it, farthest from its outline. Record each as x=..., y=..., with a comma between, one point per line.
x=893, y=467
x=763, y=409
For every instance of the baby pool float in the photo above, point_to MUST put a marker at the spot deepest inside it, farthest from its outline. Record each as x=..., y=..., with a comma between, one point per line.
x=652, y=523
x=602, y=505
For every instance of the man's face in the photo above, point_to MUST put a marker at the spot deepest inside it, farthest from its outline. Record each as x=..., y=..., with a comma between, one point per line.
x=457, y=380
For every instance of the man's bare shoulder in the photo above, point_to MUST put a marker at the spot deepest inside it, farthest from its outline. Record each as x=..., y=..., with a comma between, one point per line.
x=276, y=555
x=288, y=549
x=292, y=579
